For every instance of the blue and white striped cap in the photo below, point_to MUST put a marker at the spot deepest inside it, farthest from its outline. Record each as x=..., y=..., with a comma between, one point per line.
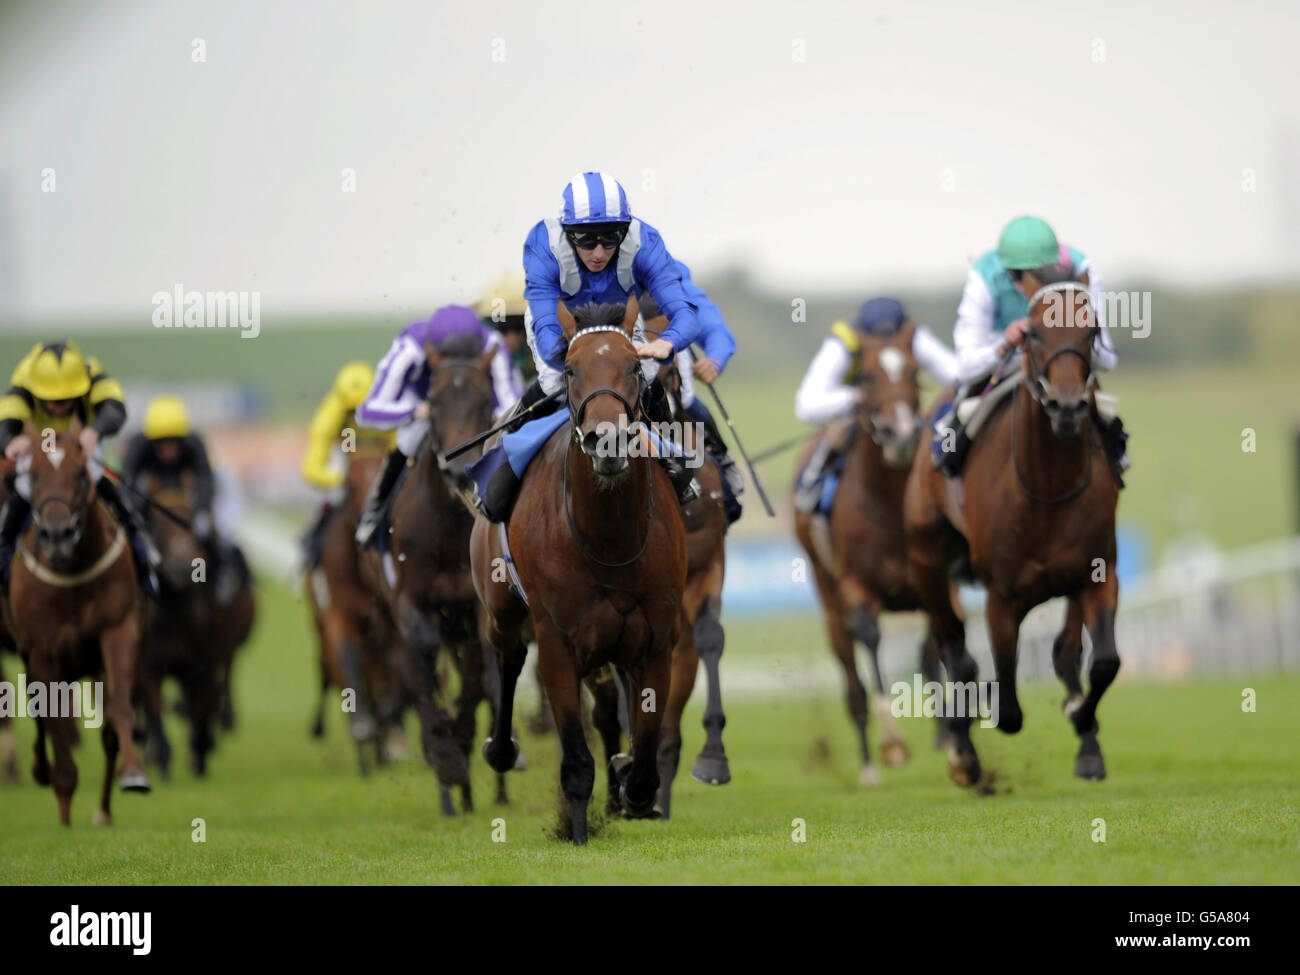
x=594, y=198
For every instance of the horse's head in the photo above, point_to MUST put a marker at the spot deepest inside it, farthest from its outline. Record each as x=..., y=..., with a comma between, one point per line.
x=1058, y=349
x=61, y=494
x=176, y=544
x=461, y=401
x=604, y=383
x=891, y=405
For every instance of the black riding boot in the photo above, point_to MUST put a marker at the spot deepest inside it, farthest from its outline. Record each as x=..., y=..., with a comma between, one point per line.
x=380, y=489
x=313, y=543
x=146, y=556
x=12, y=519
x=532, y=396
x=684, y=482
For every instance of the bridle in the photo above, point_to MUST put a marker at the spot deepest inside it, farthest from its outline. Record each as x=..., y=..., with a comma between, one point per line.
x=575, y=419
x=434, y=439
x=1038, y=389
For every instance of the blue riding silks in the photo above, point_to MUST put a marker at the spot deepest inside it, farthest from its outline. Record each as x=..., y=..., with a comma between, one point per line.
x=829, y=486
x=936, y=441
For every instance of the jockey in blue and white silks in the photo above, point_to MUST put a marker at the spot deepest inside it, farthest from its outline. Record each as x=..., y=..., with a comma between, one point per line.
x=594, y=250
x=397, y=397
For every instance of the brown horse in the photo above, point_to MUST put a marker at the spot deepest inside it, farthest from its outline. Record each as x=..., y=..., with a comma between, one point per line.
x=431, y=598
x=598, y=539
x=74, y=609
x=701, y=635
x=1038, y=521
x=359, y=649
x=858, y=554
x=191, y=637
x=8, y=746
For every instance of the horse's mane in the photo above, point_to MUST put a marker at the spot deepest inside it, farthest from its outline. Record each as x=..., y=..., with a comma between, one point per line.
x=461, y=347
x=591, y=314
x=649, y=307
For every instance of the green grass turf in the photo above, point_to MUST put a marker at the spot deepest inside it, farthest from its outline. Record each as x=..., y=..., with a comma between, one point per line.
x=1199, y=793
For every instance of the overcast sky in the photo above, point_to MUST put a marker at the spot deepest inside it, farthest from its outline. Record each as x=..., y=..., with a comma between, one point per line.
x=892, y=153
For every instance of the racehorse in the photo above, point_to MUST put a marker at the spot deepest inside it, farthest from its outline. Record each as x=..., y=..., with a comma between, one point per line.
x=701, y=635
x=1035, y=511
x=74, y=609
x=597, y=537
x=431, y=596
x=858, y=554
x=191, y=637
x=359, y=649
x=8, y=746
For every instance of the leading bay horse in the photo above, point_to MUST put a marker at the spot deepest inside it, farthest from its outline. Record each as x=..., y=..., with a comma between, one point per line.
x=1038, y=520
x=431, y=596
x=74, y=609
x=858, y=555
x=597, y=538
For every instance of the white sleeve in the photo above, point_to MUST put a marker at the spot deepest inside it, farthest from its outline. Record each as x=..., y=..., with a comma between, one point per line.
x=392, y=399
x=977, y=343
x=688, y=376
x=503, y=374
x=822, y=395
x=933, y=356
x=1103, y=353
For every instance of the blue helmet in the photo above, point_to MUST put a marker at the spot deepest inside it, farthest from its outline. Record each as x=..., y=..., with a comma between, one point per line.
x=880, y=316
x=594, y=198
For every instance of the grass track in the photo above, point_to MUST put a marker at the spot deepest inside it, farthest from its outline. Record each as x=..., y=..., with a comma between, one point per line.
x=1199, y=793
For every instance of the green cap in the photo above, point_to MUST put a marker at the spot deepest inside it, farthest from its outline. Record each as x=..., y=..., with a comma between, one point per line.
x=1027, y=243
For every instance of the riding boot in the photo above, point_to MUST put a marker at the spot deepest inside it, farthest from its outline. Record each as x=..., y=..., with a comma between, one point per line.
x=313, y=543
x=1116, y=440
x=377, y=499
x=684, y=482
x=12, y=519
x=716, y=446
x=532, y=396
x=147, y=559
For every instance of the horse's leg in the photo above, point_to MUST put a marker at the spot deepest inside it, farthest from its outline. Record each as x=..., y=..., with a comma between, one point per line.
x=491, y=669
x=157, y=748
x=361, y=722
x=685, y=663
x=928, y=569
x=501, y=750
x=604, y=715
x=40, y=757
x=1067, y=655
x=119, y=645
x=318, y=724
x=440, y=749
x=64, y=775
x=205, y=699
x=1004, y=616
x=9, y=749
x=641, y=784
x=563, y=689
x=104, y=814
x=863, y=609
x=842, y=646
x=932, y=672
x=711, y=766
x=1099, y=603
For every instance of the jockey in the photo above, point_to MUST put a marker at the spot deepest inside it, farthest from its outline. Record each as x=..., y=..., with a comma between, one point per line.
x=992, y=319
x=397, y=399
x=829, y=393
x=335, y=414
x=503, y=307
x=165, y=449
x=52, y=386
x=596, y=251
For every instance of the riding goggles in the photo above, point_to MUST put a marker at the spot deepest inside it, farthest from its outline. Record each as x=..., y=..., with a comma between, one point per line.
x=591, y=239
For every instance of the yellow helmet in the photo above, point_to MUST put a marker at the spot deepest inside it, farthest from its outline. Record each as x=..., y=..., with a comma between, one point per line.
x=57, y=371
x=166, y=417
x=503, y=297
x=353, y=383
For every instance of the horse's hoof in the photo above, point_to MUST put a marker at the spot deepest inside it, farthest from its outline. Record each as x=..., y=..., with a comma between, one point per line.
x=135, y=781
x=501, y=763
x=41, y=774
x=869, y=777
x=1088, y=764
x=102, y=818
x=894, y=753
x=711, y=769
x=637, y=810
x=963, y=769
x=1010, y=722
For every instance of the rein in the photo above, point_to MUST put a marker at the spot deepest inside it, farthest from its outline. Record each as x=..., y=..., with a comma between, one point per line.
x=577, y=535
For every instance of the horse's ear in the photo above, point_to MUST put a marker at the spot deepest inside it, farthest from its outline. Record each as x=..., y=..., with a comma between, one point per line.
x=432, y=355
x=567, y=323
x=631, y=314
x=484, y=360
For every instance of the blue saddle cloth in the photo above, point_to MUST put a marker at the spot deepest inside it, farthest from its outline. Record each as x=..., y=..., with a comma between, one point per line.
x=936, y=435
x=826, y=483
x=516, y=449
